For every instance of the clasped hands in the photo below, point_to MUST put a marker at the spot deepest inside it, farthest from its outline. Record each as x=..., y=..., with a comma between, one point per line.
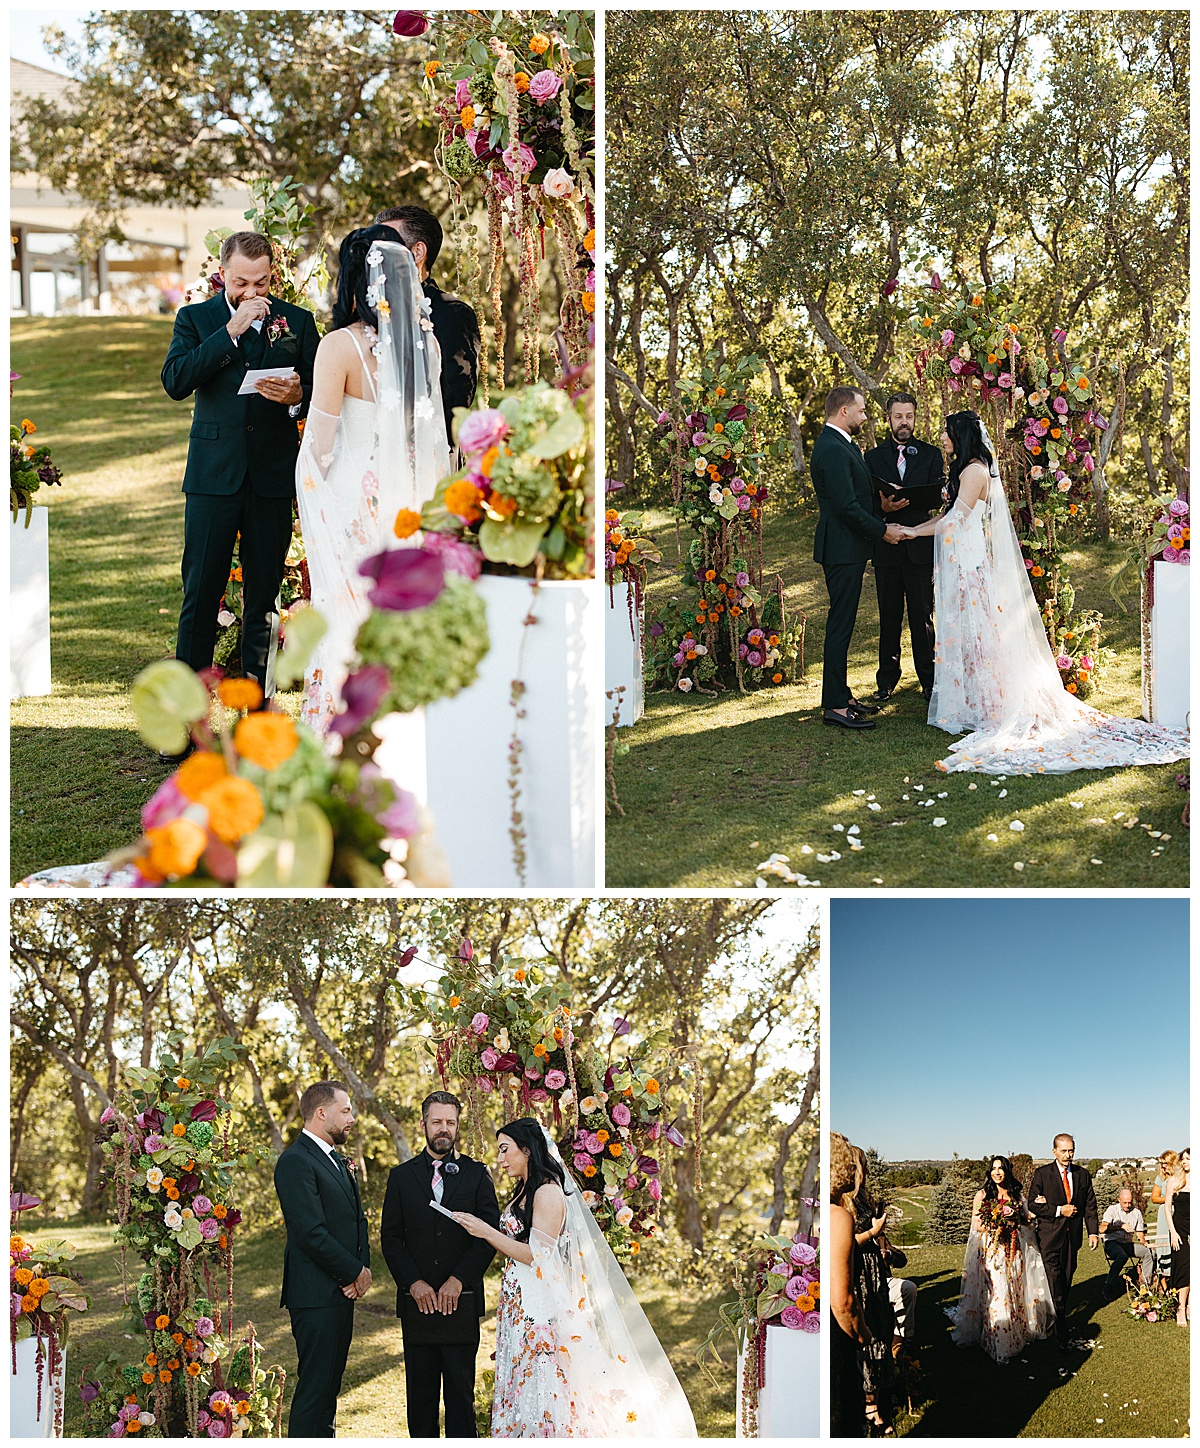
x=358, y=1288
x=444, y=1300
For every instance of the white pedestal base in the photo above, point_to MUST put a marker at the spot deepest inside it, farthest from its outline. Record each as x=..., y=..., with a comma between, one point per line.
x=623, y=655
x=29, y=605
x=1167, y=689
x=23, y=1419
x=468, y=738
x=789, y=1404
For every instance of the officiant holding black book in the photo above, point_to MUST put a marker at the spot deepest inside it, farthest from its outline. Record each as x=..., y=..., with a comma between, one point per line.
x=908, y=476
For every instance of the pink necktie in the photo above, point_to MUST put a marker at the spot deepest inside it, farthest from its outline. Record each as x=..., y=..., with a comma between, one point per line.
x=438, y=1184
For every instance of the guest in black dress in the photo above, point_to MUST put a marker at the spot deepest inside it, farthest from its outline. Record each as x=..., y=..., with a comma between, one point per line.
x=848, y=1329
x=875, y=1358
x=1178, y=1208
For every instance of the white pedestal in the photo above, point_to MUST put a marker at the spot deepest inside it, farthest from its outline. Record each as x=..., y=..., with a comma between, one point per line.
x=1167, y=690
x=623, y=654
x=468, y=739
x=29, y=605
x=23, y=1418
x=789, y=1404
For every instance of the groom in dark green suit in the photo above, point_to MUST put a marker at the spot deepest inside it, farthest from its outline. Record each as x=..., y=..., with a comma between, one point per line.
x=241, y=464
x=326, y=1262
x=847, y=531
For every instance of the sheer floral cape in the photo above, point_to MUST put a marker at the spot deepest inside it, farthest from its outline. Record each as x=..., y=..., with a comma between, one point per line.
x=618, y=1380
x=358, y=468
x=995, y=674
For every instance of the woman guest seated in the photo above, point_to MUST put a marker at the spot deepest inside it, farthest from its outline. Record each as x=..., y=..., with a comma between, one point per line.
x=849, y=1331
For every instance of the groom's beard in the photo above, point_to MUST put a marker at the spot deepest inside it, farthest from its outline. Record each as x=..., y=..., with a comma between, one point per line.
x=339, y=1138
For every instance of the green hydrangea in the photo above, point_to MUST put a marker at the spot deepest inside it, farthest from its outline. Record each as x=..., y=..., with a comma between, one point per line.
x=132, y=1373
x=735, y=430
x=200, y=1133
x=305, y=774
x=145, y=1162
x=202, y=1307
x=532, y=485
x=430, y=653
x=460, y=163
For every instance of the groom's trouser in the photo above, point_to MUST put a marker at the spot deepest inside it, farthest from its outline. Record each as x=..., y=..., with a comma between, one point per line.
x=322, y=1345
x=428, y=1367
x=844, y=583
x=899, y=583
x=211, y=525
x=1058, y=1258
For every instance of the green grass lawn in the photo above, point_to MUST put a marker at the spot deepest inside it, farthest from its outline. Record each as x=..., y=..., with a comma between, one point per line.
x=712, y=786
x=1132, y=1384
x=372, y=1403
x=80, y=774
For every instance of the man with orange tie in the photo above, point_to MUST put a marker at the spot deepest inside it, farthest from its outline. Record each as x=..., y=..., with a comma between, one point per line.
x=1063, y=1201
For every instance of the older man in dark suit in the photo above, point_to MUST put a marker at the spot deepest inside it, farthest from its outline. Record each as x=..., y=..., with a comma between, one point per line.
x=326, y=1262
x=1063, y=1200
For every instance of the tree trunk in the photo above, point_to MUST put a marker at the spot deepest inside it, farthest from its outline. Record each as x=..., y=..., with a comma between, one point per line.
x=784, y=1152
x=805, y=1215
x=689, y=1218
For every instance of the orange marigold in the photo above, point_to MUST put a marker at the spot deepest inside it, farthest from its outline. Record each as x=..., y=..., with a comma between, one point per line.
x=266, y=739
x=240, y=693
x=431, y=68
x=462, y=499
x=174, y=848
x=179, y=1129
x=162, y=1322
x=23, y=1276
x=199, y=772
x=498, y=503
x=193, y=1370
x=235, y=807
x=147, y=1377
x=467, y=116
x=522, y=82
x=407, y=523
x=589, y=302
x=539, y=44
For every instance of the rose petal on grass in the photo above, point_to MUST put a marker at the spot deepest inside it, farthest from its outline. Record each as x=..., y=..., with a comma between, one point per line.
x=1017, y=826
x=1075, y=803
x=1097, y=862
x=875, y=806
x=1003, y=793
x=938, y=823
x=1018, y=864
x=995, y=839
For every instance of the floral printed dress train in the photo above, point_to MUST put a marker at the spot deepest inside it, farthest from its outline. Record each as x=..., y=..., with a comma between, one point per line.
x=575, y=1356
x=1005, y=1301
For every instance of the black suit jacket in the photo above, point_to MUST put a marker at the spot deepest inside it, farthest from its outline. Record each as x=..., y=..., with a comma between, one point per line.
x=456, y=328
x=419, y=1244
x=926, y=469
x=327, y=1240
x=847, y=528
x=1047, y=1182
x=233, y=436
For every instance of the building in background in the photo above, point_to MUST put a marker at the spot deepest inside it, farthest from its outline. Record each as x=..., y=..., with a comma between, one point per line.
x=147, y=273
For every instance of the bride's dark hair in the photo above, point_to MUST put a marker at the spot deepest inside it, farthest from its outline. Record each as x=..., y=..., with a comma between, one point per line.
x=351, y=304
x=529, y=1136
x=1010, y=1183
x=965, y=430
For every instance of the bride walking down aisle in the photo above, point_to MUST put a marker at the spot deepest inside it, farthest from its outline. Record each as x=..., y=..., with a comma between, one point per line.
x=1005, y=1302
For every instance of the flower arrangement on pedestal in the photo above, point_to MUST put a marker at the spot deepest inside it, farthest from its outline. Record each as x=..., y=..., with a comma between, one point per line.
x=779, y=1286
x=523, y=498
x=733, y=629
x=520, y=120
x=260, y=802
x=44, y=1294
x=508, y=1029
x=171, y=1161
x=30, y=467
x=1040, y=408
x=628, y=554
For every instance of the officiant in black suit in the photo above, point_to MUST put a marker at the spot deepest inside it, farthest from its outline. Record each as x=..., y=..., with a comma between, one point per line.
x=455, y=324
x=1062, y=1199
x=326, y=1261
x=914, y=474
x=847, y=531
x=241, y=464
x=439, y=1270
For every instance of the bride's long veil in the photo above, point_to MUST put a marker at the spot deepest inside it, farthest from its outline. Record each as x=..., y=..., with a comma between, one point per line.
x=625, y=1356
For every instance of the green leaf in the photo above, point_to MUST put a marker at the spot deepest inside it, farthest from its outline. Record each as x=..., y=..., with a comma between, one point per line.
x=292, y=850
x=515, y=542
x=301, y=633
x=167, y=699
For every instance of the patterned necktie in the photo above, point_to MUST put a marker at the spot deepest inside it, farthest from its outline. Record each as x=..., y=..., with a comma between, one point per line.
x=439, y=1186
x=1067, y=1183
x=900, y=462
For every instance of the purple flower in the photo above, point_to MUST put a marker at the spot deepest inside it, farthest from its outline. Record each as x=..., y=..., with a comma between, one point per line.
x=655, y=1190
x=699, y=438
x=478, y=142
x=482, y=430
x=216, y=281
x=462, y=94
x=1178, y=508
x=361, y=694
x=1061, y=406
x=664, y=417
x=621, y=1027
x=802, y=1254
x=650, y=1165
x=742, y=580
x=743, y=650
x=154, y=1143
x=1170, y=555
x=743, y=504
x=810, y=1322
x=488, y=1058
x=466, y=951
x=556, y=1079
x=205, y=1327
x=217, y=1428
x=89, y=1392
x=167, y=803
x=737, y=413
x=1059, y=336
x=188, y=1183
x=479, y=1023
x=793, y=1287
x=544, y=86
x=754, y=658
x=947, y=338
x=201, y=1206
x=935, y=282
x=621, y=1114
x=210, y=1229
x=204, y=1111
x=889, y=287
x=107, y=1115
x=410, y=23
x=507, y=1061
x=674, y=1136
x=582, y=1161
x=405, y=578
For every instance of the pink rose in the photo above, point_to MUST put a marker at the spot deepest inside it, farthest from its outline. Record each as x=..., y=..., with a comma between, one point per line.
x=1185, y=556
x=479, y=1023
x=201, y=1206
x=544, y=87
x=947, y=338
x=621, y=1114
x=793, y=1287
x=107, y=1115
x=582, y=1161
x=518, y=157
x=210, y=1229
x=791, y=1317
x=481, y=430
x=532, y=1073
x=167, y=803
x=538, y=1094
x=1005, y=379
x=556, y=1080
x=956, y=365
x=485, y=1083
x=1170, y=555
x=1061, y=406
x=655, y=1189
x=488, y=1059
x=1178, y=508
x=462, y=94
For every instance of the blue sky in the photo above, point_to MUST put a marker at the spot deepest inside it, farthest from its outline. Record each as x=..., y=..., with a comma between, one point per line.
x=988, y=1025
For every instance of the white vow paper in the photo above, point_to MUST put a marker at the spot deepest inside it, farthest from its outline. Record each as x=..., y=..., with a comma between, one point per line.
x=445, y=1211
x=256, y=374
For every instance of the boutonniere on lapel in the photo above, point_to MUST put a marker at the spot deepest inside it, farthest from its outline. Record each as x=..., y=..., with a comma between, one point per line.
x=351, y=1164
x=277, y=327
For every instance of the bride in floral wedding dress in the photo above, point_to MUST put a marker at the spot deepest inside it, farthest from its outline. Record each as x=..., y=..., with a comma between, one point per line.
x=994, y=673
x=575, y=1355
x=1005, y=1300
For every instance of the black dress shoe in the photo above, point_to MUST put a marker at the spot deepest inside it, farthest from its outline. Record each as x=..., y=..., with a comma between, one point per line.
x=173, y=760
x=851, y=720
x=883, y=695
x=862, y=708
